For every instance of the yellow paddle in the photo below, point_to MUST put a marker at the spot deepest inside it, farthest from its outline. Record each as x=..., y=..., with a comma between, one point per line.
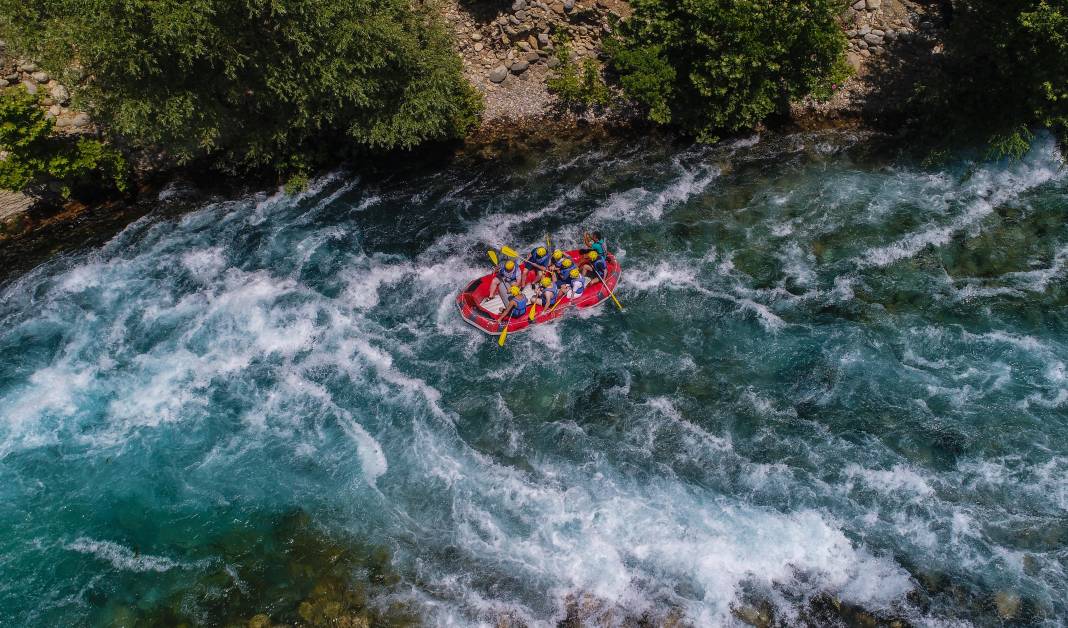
x=504, y=334
x=510, y=252
x=533, y=312
x=605, y=283
x=493, y=256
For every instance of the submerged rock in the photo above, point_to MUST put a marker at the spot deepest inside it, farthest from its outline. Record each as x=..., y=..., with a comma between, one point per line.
x=760, y=615
x=1007, y=603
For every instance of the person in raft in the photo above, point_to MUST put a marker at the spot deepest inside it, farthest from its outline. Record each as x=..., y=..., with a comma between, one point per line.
x=507, y=275
x=546, y=293
x=576, y=284
x=538, y=263
x=594, y=266
x=594, y=242
x=517, y=305
x=563, y=271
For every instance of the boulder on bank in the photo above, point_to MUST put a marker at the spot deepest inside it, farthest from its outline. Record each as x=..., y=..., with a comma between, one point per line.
x=498, y=74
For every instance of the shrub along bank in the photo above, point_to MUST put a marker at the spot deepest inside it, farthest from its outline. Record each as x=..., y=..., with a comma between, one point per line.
x=715, y=66
x=1003, y=74
x=34, y=158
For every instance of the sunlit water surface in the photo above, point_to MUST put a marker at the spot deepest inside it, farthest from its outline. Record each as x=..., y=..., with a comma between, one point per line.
x=837, y=373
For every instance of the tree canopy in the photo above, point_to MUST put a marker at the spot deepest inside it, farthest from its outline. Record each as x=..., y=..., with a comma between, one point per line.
x=711, y=66
x=253, y=83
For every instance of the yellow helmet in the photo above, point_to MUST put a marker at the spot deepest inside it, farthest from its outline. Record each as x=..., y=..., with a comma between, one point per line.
x=566, y=263
x=557, y=254
x=545, y=281
x=593, y=256
x=541, y=251
x=509, y=265
x=574, y=273
x=515, y=291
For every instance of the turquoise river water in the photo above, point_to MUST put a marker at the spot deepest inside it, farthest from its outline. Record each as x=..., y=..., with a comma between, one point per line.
x=839, y=382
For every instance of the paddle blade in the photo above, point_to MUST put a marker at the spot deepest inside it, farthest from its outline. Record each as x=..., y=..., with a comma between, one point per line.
x=618, y=304
x=510, y=252
x=493, y=256
x=548, y=242
x=533, y=312
x=504, y=335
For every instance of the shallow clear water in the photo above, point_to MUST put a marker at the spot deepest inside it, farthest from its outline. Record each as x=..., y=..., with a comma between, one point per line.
x=837, y=373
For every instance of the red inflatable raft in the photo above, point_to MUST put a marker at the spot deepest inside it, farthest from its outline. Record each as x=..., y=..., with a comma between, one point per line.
x=482, y=312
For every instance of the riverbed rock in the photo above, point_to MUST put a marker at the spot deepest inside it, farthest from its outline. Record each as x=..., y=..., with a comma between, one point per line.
x=859, y=5
x=28, y=67
x=873, y=39
x=543, y=40
x=30, y=86
x=760, y=616
x=554, y=62
x=498, y=74
x=532, y=57
x=81, y=120
x=259, y=621
x=873, y=5
x=519, y=66
x=1007, y=603
x=41, y=77
x=519, y=5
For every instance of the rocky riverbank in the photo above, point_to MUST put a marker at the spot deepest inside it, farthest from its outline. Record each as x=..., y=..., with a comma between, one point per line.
x=510, y=51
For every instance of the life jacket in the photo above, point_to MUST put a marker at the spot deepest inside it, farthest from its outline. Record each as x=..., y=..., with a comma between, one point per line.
x=552, y=293
x=520, y=309
x=601, y=246
x=600, y=266
x=511, y=276
x=578, y=285
x=540, y=261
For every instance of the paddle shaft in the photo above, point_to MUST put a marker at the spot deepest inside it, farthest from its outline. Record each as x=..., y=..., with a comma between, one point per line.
x=605, y=284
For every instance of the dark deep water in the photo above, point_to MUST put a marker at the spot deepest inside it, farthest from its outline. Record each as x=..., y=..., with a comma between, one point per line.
x=838, y=373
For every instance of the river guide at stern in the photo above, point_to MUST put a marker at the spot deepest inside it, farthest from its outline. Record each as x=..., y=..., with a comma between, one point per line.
x=505, y=296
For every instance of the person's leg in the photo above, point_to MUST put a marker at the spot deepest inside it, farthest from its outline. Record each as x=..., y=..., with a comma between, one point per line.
x=494, y=283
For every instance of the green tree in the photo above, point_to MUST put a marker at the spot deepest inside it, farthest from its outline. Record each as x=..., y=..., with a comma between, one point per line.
x=1004, y=72
x=253, y=83
x=714, y=66
x=32, y=157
